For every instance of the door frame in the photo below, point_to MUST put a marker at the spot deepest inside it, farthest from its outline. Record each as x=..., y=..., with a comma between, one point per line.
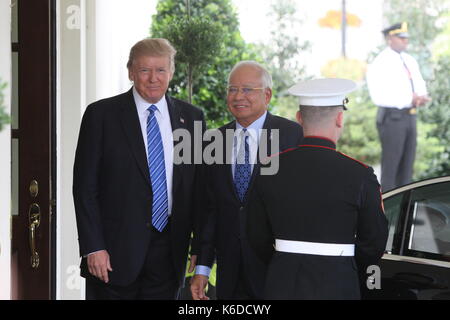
x=36, y=48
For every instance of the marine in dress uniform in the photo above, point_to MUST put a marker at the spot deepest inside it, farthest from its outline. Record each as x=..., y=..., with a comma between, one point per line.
x=396, y=86
x=321, y=217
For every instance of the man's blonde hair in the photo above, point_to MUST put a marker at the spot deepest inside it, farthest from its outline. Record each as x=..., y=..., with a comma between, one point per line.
x=153, y=47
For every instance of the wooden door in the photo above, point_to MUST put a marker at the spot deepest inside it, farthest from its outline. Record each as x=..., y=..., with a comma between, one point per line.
x=33, y=224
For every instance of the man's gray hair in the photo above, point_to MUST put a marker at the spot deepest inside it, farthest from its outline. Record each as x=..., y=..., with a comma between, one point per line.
x=266, y=78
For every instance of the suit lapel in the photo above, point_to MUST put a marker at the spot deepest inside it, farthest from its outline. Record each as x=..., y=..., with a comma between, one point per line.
x=227, y=162
x=132, y=127
x=256, y=168
x=177, y=122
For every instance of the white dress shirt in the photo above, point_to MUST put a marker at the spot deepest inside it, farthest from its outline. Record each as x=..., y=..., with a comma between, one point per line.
x=388, y=81
x=165, y=127
x=254, y=133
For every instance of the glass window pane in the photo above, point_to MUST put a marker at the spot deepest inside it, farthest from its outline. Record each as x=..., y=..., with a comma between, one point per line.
x=15, y=177
x=430, y=231
x=392, y=207
x=14, y=29
x=15, y=92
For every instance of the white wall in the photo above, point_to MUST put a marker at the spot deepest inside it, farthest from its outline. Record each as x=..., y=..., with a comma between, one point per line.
x=5, y=154
x=94, y=39
x=118, y=26
x=71, y=97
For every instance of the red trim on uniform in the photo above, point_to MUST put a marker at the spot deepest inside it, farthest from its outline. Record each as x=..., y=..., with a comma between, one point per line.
x=285, y=151
x=314, y=146
x=319, y=137
x=363, y=164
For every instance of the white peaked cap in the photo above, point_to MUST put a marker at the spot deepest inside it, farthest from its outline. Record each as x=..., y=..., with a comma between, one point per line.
x=323, y=92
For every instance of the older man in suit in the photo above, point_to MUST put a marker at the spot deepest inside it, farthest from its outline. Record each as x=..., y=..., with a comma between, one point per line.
x=135, y=209
x=240, y=274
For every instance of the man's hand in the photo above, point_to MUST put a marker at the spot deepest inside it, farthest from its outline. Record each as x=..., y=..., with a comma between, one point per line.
x=99, y=265
x=198, y=285
x=419, y=101
x=192, y=263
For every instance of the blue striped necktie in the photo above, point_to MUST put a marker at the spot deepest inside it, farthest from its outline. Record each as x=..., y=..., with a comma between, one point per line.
x=242, y=170
x=157, y=170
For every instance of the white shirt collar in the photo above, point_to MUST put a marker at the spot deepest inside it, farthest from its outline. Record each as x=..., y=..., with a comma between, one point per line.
x=142, y=105
x=254, y=129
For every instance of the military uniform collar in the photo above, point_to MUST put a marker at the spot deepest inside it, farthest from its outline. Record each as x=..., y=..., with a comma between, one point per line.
x=318, y=141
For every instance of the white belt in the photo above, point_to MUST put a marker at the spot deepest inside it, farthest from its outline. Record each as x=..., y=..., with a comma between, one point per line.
x=321, y=249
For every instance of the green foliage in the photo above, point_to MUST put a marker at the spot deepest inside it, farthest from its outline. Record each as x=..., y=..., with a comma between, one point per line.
x=281, y=55
x=346, y=68
x=441, y=45
x=428, y=26
x=4, y=118
x=437, y=116
x=422, y=17
x=283, y=47
x=197, y=40
x=360, y=136
x=209, y=90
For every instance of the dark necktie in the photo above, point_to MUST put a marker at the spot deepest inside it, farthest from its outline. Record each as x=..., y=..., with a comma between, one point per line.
x=242, y=169
x=157, y=170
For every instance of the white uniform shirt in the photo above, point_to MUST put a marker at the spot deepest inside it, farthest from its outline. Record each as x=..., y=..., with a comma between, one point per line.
x=388, y=81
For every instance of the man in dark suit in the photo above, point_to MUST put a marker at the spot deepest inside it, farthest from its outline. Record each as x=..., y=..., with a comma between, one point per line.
x=321, y=217
x=240, y=274
x=135, y=209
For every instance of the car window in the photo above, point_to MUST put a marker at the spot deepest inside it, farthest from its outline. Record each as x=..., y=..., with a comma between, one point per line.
x=392, y=208
x=430, y=229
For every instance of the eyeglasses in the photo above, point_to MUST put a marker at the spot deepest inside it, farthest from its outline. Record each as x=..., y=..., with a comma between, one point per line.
x=244, y=90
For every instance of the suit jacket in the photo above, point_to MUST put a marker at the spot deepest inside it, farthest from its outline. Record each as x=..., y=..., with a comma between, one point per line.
x=223, y=235
x=323, y=196
x=112, y=189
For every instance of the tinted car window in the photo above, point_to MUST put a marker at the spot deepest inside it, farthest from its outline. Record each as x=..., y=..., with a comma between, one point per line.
x=430, y=229
x=392, y=208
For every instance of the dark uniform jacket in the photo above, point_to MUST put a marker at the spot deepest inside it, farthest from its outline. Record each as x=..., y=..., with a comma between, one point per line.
x=323, y=196
x=224, y=235
x=113, y=193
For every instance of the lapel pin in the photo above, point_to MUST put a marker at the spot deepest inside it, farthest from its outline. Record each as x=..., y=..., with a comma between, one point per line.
x=181, y=120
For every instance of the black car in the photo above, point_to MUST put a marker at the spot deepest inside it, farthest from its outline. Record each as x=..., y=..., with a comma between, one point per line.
x=416, y=264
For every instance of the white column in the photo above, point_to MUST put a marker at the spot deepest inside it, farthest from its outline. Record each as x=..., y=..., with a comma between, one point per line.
x=5, y=154
x=71, y=97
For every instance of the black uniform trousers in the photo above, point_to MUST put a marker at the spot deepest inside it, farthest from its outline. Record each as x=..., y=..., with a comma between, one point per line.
x=397, y=129
x=156, y=281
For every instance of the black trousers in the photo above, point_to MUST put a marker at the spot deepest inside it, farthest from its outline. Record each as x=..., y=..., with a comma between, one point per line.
x=397, y=129
x=156, y=281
